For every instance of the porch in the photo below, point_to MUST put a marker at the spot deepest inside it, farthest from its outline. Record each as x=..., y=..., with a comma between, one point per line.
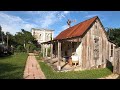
x=65, y=65
x=61, y=54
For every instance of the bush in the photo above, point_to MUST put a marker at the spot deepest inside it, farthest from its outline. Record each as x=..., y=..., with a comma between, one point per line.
x=30, y=47
x=20, y=48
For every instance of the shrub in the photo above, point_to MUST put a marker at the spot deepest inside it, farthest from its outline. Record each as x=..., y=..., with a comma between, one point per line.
x=20, y=48
x=30, y=47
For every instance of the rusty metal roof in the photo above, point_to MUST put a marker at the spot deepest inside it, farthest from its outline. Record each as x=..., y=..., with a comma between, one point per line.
x=76, y=30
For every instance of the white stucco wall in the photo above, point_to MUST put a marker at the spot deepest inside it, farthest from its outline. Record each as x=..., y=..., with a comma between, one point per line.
x=44, y=33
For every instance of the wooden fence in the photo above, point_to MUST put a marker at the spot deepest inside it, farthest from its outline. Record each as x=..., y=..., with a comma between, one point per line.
x=116, y=68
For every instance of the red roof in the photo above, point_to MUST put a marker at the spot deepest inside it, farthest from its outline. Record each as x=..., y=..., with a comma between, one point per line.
x=76, y=30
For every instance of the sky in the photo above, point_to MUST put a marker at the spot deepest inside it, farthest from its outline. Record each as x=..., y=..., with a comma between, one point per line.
x=14, y=21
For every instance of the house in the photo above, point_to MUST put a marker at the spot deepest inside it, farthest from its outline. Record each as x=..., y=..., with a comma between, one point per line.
x=88, y=40
x=43, y=35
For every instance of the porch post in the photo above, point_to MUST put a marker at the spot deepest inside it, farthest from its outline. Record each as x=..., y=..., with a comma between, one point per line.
x=43, y=50
x=51, y=45
x=78, y=40
x=71, y=48
x=46, y=51
x=59, y=55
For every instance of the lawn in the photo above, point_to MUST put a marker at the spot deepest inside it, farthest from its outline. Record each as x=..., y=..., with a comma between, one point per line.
x=12, y=67
x=87, y=74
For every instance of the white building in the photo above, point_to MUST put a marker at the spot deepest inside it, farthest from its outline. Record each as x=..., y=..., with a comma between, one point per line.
x=42, y=35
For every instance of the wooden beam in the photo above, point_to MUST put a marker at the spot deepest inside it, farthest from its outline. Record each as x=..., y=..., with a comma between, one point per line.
x=46, y=51
x=43, y=50
x=71, y=48
x=59, y=55
x=51, y=53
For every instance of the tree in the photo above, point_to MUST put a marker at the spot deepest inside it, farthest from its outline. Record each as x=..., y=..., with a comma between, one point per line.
x=114, y=35
x=20, y=41
x=23, y=37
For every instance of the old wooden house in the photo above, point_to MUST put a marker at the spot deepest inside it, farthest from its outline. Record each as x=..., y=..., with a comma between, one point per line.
x=88, y=41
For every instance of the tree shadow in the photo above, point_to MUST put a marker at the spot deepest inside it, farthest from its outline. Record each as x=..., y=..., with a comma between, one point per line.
x=109, y=65
x=4, y=56
x=10, y=71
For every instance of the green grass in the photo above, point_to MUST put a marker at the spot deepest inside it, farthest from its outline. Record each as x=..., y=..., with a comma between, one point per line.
x=86, y=74
x=12, y=67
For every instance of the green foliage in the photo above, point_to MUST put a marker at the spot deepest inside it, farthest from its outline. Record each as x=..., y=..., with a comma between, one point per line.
x=12, y=67
x=20, y=48
x=23, y=37
x=114, y=35
x=87, y=74
x=30, y=47
x=40, y=55
x=21, y=41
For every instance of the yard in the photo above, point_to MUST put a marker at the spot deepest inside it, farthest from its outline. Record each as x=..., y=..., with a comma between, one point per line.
x=87, y=74
x=12, y=67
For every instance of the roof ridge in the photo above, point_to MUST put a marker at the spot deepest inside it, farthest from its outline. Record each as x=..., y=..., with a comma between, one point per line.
x=86, y=20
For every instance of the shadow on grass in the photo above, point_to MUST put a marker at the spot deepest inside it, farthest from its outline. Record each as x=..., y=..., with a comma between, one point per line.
x=9, y=71
x=109, y=65
x=2, y=57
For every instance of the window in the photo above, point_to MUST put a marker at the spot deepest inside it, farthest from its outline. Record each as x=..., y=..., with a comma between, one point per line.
x=40, y=36
x=33, y=32
x=111, y=50
x=51, y=36
x=48, y=37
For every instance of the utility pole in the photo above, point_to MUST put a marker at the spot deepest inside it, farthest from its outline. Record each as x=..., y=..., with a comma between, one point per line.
x=1, y=34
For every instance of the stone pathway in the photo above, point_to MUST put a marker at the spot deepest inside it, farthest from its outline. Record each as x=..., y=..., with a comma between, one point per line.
x=32, y=69
x=112, y=76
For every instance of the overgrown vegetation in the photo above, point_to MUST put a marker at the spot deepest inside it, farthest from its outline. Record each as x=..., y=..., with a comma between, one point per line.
x=87, y=74
x=12, y=67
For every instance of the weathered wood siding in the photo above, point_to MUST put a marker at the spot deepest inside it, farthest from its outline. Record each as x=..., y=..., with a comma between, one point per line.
x=94, y=54
x=94, y=49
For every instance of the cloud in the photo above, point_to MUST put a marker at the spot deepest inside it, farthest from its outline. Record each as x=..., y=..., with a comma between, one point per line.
x=66, y=12
x=46, y=19
x=13, y=24
x=34, y=19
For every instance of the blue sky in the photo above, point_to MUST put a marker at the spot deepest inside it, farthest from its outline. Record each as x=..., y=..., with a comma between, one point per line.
x=14, y=21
